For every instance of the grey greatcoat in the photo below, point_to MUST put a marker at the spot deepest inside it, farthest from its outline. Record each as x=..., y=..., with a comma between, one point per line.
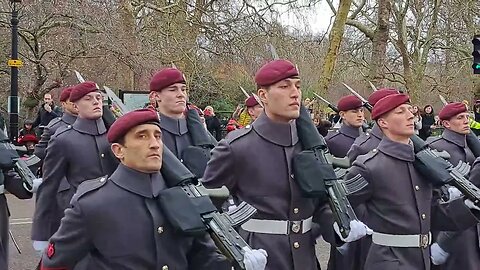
x=255, y=164
x=365, y=143
x=50, y=129
x=117, y=223
x=175, y=134
x=340, y=141
x=463, y=247
x=77, y=153
x=13, y=184
x=402, y=203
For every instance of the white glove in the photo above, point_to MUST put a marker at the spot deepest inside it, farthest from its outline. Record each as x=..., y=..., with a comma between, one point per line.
x=471, y=205
x=255, y=259
x=357, y=230
x=40, y=246
x=438, y=255
x=36, y=184
x=454, y=193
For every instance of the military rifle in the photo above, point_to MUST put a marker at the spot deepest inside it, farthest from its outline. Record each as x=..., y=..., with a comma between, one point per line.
x=313, y=163
x=435, y=167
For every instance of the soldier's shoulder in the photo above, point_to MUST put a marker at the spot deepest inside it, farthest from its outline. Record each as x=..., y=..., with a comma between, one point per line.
x=238, y=133
x=368, y=156
x=88, y=186
x=55, y=121
x=362, y=139
x=63, y=131
x=332, y=134
x=433, y=139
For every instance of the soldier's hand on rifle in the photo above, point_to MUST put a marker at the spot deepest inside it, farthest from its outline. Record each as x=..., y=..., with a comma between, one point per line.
x=40, y=246
x=357, y=230
x=471, y=205
x=36, y=184
x=438, y=255
x=255, y=259
x=453, y=193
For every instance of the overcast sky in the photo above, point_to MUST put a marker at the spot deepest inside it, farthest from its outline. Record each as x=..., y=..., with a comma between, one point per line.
x=317, y=19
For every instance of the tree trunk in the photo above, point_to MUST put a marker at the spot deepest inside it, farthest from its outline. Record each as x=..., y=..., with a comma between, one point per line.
x=335, y=38
x=380, y=41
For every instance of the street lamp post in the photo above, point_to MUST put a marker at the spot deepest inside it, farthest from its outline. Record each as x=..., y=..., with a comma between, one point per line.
x=14, y=64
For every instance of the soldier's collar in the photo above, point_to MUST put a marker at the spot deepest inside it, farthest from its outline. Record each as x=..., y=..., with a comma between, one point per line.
x=172, y=125
x=376, y=131
x=92, y=127
x=143, y=184
x=396, y=150
x=349, y=131
x=455, y=138
x=68, y=118
x=278, y=133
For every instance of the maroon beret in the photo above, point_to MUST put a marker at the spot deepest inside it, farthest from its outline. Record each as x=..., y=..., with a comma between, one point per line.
x=388, y=103
x=452, y=109
x=80, y=90
x=349, y=102
x=28, y=138
x=65, y=95
x=130, y=120
x=274, y=72
x=251, y=101
x=166, y=77
x=379, y=94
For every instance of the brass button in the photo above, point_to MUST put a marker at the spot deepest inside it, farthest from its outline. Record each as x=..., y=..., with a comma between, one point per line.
x=102, y=155
x=181, y=160
x=165, y=267
x=296, y=245
x=295, y=210
x=424, y=216
x=247, y=126
x=292, y=176
x=160, y=230
x=417, y=188
x=69, y=126
x=102, y=179
x=374, y=150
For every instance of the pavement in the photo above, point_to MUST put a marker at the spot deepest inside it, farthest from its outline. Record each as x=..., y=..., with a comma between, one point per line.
x=21, y=224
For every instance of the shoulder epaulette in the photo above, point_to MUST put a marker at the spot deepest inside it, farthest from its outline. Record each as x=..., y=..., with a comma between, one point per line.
x=88, y=186
x=236, y=134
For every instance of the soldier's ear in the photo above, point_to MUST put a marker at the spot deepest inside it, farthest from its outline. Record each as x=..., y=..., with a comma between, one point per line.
x=446, y=124
x=382, y=123
x=262, y=95
x=117, y=150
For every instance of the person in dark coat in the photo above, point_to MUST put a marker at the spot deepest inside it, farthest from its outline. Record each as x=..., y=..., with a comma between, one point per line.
x=401, y=208
x=266, y=180
x=428, y=120
x=68, y=118
x=456, y=250
x=95, y=225
x=351, y=113
x=214, y=126
x=47, y=112
x=76, y=153
x=168, y=89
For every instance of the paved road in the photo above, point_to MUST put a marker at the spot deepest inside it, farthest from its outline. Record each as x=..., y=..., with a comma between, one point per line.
x=21, y=223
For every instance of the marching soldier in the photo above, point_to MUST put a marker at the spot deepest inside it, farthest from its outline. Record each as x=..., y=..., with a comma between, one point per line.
x=68, y=118
x=400, y=207
x=9, y=181
x=286, y=224
x=458, y=250
x=95, y=225
x=351, y=113
x=168, y=89
x=77, y=153
x=370, y=140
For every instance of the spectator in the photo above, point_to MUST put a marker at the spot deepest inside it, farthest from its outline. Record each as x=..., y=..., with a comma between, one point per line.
x=29, y=141
x=417, y=119
x=47, y=112
x=322, y=125
x=214, y=126
x=428, y=120
x=27, y=129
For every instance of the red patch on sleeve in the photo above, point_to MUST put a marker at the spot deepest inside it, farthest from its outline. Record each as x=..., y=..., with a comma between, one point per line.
x=50, y=250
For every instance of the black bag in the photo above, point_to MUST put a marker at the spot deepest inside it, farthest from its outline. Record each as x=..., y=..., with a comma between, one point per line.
x=311, y=172
x=184, y=213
